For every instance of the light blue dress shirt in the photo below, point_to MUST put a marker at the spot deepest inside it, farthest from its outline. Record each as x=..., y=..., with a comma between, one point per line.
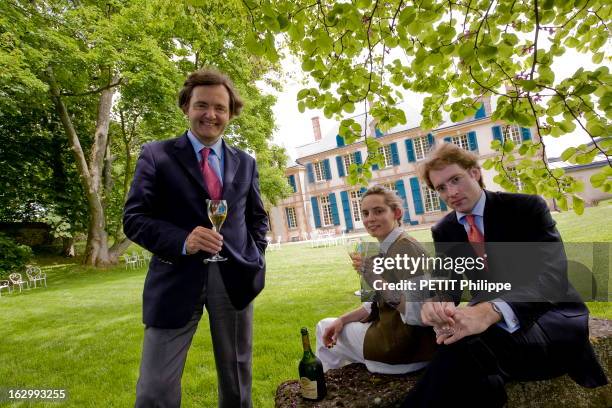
x=215, y=160
x=510, y=322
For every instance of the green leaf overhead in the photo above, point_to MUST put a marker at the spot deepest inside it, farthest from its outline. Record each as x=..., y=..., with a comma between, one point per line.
x=453, y=53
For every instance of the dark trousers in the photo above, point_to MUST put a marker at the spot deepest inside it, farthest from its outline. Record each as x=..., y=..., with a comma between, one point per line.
x=473, y=371
x=165, y=351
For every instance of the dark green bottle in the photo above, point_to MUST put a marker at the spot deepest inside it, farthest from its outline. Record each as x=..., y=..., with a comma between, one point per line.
x=312, y=379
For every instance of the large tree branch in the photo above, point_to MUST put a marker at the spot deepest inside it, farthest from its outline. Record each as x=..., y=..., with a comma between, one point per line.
x=73, y=138
x=100, y=142
x=94, y=91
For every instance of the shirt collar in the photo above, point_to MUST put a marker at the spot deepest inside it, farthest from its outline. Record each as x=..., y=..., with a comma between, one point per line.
x=477, y=210
x=390, y=239
x=217, y=147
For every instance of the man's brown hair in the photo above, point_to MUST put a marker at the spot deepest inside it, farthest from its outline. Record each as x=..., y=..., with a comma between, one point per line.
x=208, y=77
x=446, y=154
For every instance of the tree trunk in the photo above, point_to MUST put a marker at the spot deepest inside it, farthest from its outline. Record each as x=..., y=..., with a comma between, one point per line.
x=96, y=250
x=68, y=247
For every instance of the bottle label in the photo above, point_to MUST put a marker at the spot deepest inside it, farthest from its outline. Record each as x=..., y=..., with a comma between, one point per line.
x=308, y=388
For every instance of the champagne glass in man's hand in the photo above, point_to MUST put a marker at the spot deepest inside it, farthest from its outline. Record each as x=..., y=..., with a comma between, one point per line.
x=217, y=211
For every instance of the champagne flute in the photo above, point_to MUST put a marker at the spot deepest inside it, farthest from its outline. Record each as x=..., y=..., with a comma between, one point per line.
x=217, y=211
x=354, y=247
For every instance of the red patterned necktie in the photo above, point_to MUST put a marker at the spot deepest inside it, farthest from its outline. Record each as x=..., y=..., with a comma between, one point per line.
x=213, y=184
x=475, y=237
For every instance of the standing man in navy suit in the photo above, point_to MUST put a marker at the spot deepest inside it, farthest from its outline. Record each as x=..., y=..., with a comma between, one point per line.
x=536, y=330
x=166, y=214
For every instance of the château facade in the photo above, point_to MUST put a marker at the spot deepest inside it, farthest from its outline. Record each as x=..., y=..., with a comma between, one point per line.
x=322, y=198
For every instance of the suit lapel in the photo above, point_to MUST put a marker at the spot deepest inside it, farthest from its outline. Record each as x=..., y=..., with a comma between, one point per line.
x=183, y=151
x=231, y=163
x=457, y=229
x=491, y=218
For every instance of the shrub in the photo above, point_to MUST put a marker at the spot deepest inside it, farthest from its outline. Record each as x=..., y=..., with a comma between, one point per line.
x=13, y=256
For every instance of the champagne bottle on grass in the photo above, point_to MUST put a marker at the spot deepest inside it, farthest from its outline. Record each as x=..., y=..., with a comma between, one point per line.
x=312, y=379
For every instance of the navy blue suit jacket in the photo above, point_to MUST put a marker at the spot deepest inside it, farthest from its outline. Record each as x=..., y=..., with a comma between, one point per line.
x=544, y=295
x=166, y=202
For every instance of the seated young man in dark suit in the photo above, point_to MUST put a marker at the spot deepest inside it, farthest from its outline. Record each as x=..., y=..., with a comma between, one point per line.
x=536, y=330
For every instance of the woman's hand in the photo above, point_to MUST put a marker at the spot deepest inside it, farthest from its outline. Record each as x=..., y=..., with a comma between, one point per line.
x=331, y=333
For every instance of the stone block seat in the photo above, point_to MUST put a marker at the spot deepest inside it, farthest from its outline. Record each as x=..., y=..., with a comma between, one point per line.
x=353, y=386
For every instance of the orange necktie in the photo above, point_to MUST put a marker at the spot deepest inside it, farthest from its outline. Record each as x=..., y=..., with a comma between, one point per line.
x=475, y=237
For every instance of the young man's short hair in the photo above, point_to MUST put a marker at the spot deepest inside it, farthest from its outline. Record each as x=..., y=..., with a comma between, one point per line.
x=446, y=154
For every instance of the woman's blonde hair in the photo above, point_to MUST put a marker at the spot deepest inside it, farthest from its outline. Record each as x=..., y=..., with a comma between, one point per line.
x=390, y=197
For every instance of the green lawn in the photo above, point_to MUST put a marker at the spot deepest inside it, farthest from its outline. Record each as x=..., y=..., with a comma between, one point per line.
x=84, y=333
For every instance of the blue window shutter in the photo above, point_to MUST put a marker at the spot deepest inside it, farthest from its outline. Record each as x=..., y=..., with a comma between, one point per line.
x=410, y=150
x=448, y=139
x=497, y=134
x=291, y=179
x=401, y=191
x=334, y=208
x=287, y=216
x=315, y=211
x=430, y=140
x=346, y=209
x=327, y=169
x=375, y=167
x=340, y=165
x=358, y=157
x=416, y=195
x=480, y=113
x=339, y=141
x=472, y=141
x=394, y=154
x=442, y=205
x=378, y=132
x=310, y=172
x=525, y=134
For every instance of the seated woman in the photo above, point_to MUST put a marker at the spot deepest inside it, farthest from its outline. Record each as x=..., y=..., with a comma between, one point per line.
x=386, y=335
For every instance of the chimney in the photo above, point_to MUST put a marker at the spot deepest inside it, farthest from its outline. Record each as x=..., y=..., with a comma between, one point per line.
x=316, y=128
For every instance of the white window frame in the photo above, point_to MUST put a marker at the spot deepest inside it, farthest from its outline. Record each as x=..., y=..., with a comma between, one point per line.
x=319, y=171
x=513, y=133
x=462, y=141
x=326, y=212
x=291, y=218
x=431, y=199
x=389, y=186
x=385, y=152
x=421, y=147
x=355, y=203
x=347, y=160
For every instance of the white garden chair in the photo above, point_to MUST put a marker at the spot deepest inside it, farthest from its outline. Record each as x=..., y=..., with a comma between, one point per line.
x=269, y=247
x=278, y=242
x=36, y=275
x=129, y=261
x=16, y=280
x=138, y=259
x=314, y=239
x=4, y=284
